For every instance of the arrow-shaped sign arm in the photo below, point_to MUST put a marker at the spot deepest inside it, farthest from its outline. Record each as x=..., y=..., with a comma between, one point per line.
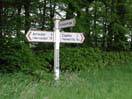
x=67, y=23
x=28, y=36
x=82, y=38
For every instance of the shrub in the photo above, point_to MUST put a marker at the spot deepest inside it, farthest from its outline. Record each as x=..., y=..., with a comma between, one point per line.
x=72, y=59
x=16, y=56
x=85, y=58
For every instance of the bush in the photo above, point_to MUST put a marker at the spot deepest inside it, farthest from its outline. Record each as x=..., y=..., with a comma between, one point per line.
x=16, y=56
x=85, y=58
x=46, y=59
x=81, y=58
x=73, y=59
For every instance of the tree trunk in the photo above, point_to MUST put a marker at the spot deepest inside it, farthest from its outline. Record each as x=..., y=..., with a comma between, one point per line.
x=120, y=11
x=88, y=36
x=104, y=41
x=44, y=14
x=94, y=31
x=70, y=11
x=27, y=15
x=19, y=21
x=110, y=35
x=1, y=22
x=52, y=12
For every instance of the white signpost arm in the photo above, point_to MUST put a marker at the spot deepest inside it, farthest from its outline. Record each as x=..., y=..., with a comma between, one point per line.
x=56, y=46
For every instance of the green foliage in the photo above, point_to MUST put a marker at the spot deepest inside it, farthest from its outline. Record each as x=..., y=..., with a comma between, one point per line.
x=105, y=23
x=46, y=60
x=72, y=59
x=86, y=58
x=16, y=56
x=114, y=83
x=81, y=58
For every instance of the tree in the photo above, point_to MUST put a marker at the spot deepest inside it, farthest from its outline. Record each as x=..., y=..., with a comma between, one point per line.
x=27, y=5
x=1, y=16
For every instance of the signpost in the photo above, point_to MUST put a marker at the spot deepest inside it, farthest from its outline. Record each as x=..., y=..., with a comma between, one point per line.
x=57, y=38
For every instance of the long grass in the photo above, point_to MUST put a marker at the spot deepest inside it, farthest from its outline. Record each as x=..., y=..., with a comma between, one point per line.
x=109, y=83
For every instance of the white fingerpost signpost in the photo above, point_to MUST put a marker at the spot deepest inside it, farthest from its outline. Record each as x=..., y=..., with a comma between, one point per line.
x=56, y=37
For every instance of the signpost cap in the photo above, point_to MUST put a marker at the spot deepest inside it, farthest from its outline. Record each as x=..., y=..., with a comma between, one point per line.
x=56, y=17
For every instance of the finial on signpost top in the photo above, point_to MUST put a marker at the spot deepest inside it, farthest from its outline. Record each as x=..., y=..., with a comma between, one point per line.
x=56, y=17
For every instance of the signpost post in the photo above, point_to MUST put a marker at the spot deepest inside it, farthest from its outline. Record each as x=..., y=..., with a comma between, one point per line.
x=56, y=46
x=56, y=37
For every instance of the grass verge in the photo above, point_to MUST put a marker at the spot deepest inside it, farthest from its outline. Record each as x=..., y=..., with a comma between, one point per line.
x=109, y=83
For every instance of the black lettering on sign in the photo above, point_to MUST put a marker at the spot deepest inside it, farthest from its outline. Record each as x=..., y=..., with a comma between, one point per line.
x=68, y=39
x=39, y=34
x=66, y=35
x=67, y=23
x=41, y=38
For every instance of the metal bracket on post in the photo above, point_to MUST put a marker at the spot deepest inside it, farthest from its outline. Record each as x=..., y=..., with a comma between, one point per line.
x=56, y=46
